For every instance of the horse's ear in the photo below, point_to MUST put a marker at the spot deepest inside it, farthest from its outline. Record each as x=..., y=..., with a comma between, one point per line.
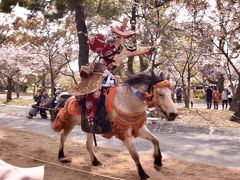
x=161, y=76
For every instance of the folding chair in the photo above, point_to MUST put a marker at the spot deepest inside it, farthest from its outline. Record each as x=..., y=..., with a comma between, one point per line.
x=161, y=124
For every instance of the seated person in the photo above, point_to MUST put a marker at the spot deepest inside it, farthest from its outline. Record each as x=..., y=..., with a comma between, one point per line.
x=44, y=101
x=34, y=109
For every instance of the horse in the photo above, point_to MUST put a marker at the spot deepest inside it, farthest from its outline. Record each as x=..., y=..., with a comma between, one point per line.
x=127, y=106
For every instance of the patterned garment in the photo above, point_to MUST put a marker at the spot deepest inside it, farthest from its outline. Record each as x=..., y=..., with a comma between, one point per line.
x=91, y=106
x=104, y=49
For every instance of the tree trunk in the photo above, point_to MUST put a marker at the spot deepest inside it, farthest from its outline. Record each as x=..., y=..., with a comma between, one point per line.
x=17, y=89
x=236, y=99
x=9, y=88
x=34, y=89
x=52, y=82
x=133, y=28
x=130, y=65
x=184, y=94
x=43, y=82
x=220, y=83
x=82, y=35
x=143, y=64
x=187, y=98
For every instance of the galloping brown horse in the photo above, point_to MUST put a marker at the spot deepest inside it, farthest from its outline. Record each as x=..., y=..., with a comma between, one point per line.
x=128, y=115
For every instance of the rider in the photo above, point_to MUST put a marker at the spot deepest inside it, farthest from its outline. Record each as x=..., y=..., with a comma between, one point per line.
x=106, y=47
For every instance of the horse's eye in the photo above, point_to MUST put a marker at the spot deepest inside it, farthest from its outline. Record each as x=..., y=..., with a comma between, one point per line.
x=161, y=95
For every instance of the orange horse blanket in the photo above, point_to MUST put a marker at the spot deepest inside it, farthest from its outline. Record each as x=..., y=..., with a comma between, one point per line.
x=65, y=114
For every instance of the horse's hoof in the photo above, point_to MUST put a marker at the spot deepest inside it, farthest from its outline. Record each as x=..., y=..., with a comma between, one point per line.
x=145, y=177
x=96, y=162
x=65, y=160
x=157, y=168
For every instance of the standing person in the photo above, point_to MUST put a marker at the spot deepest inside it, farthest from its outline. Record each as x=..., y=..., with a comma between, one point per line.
x=216, y=98
x=179, y=94
x=230, y=96
x=54, y=98
x=173, y=94
x=209, y=92
x=225, y=98
x=191, y=97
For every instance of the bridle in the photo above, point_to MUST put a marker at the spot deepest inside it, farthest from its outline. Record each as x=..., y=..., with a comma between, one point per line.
x=151, y=96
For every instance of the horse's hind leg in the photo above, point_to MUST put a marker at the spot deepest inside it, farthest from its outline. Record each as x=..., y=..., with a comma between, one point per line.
x=134, y=154
x=146, y=134
x=89, y=144
x=68, y=128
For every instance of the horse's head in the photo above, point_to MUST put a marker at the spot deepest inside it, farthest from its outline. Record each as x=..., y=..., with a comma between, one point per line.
x=162, y=98
x=160, y=93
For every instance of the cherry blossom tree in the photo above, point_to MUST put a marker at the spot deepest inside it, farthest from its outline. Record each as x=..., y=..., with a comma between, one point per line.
x=52, y=43
x=15, y=64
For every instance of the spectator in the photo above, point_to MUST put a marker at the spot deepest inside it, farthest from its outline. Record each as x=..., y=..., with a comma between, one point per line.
x=46, y=102
x=230, y=96
x=209, y=92
x=34, y=109
x=43, y=103
x=54, y=98
x=225, y=98
x=179, y=94
x=37, y=97
x=216, y=98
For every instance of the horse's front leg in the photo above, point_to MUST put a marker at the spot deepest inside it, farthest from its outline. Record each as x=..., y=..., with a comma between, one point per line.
x=146, y=134
x=133, y=152
x=89, y=144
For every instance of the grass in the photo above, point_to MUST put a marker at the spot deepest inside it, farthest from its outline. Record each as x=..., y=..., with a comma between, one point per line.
x=19, y=101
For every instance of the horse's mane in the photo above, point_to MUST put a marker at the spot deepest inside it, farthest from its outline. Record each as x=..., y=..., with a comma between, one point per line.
x=142, y=78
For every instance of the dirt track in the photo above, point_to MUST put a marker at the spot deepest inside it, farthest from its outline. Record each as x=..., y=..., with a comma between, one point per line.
x=116, y=163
